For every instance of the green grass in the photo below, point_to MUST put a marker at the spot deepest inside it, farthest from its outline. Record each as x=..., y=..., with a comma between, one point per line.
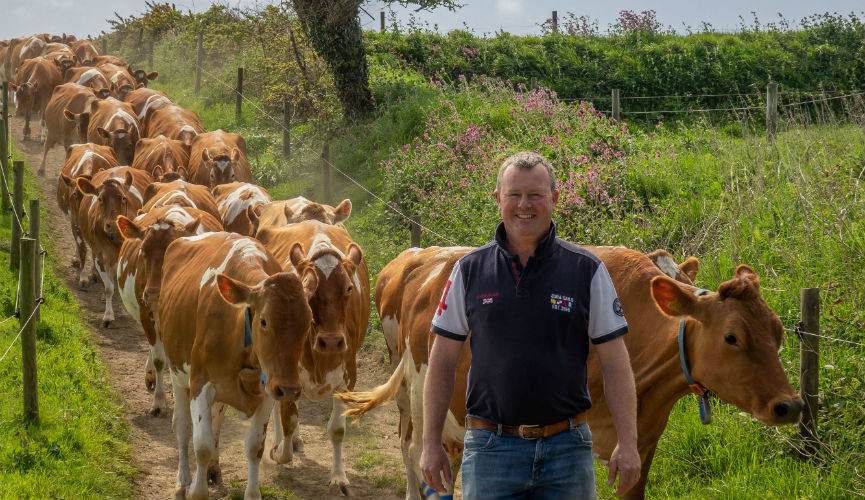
x=78, y=448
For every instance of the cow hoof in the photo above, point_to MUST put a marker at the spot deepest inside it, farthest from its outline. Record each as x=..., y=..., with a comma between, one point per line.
x=277, y=456
x=82, y=285
x=94, y=278
x=180, y=493
x=105, y=323
x=297, y=444
x=214, y=475
x=76, y=263
x=155, y=412
x=340, y=488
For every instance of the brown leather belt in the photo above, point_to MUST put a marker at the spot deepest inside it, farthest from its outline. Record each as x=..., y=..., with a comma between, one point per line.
x=526, y=431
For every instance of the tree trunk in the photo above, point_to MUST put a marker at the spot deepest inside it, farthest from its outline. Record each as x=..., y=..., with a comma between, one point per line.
x=334, y=30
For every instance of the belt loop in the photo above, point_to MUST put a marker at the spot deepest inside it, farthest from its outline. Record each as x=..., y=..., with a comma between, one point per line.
x=499, y=430
x=571, y=423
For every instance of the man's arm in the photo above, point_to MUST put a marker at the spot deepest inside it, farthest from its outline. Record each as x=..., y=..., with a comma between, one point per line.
x=437, y=392
x=621, y=398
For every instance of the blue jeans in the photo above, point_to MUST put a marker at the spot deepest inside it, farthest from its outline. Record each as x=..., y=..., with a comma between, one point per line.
x=504, y=467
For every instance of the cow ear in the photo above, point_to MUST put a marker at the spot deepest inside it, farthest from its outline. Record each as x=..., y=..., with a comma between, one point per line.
x=69, y=115
x=85, y=186
x=152, y=75
x=252, y=215
x=157, y=172
x=149, y=193
x=690, y=267
x=128, y=180
x=205, y=156
x=181, y=171
x=235, y=155
x=671, y=298
x=289, y=214
x=104, y=133
x=296, y=254
x=232, y=291
x=342, y=211
x=355, y=254
x=192, y=227
x=67, y=180
x=128, y=229
x=309, y=280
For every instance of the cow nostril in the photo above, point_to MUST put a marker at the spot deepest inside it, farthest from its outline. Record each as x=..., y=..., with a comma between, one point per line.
x=788, y=409
x=286, y=392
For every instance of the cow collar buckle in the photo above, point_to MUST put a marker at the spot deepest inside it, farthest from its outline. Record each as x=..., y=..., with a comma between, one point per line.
x=696, y=387
x=530, y=431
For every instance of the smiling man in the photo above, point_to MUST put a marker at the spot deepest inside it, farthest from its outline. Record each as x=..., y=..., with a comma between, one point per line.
x=532, y=303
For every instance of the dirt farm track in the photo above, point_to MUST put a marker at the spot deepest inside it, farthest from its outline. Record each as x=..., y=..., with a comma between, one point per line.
x=372, y=459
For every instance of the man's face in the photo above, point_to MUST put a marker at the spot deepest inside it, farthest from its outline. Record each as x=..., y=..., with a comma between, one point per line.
x=526, y=203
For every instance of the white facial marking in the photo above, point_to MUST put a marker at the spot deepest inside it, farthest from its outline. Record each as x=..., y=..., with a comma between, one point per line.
x=233, y=205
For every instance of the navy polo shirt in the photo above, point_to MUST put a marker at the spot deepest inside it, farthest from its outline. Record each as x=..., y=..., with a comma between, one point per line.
x=530, y=327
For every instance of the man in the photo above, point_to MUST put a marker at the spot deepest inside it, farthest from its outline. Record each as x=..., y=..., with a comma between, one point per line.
x=532, y=302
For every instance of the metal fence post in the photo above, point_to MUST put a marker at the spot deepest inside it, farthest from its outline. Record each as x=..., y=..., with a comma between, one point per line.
x=809, y=357
x=771, y=110
x=325, y=171
x=27, y=285
x=18, y=215
x=198, y=63
x=238, y=103
x=617, y=106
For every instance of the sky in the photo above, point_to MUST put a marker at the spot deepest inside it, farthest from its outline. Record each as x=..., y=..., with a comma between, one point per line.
x=520, y=17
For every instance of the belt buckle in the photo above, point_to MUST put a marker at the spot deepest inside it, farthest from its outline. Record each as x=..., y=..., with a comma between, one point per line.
x=530, y=431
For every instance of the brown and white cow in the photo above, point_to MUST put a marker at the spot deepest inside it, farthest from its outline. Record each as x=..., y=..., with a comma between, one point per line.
x=179, y=193
x=732, y=340
x=172, y=121
x=112, y=192
x=61, y=55
x=340, y=308
x=237, y=203
x=209, y=281
x=28, y=48
x=121, y=80
x=218, y=157
x=89, y=77
x=159, y=151
x=34, y=83
x=144, y=98
x=113, y=123
x=85, y=51
x=109, y=59
x=282, y=212
x=142, y=77
x=139, y=275
x=82, y=160
x=66, y=117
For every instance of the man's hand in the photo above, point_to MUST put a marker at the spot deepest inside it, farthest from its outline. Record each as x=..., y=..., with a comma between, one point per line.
x=434, y=464
x=624, y=462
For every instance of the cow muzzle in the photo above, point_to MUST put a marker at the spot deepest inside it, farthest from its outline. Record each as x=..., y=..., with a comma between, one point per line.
x=787, y=411
x=331, y=343
x=290, y=393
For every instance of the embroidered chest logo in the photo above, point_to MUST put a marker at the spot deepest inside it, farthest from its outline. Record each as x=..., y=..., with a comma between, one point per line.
x=487, y=298
x=561, y=302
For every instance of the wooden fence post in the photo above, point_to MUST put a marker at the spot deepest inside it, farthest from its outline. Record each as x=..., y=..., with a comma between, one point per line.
x=18, y=215
x=27, y=286
x=198, y=63
x=238, y=103
x=414, y=225
x=771, y=110
x=617, y=106
x=555, y=21
x=325, y=172
x=150, y=55
x=34, y=232
x=287, y=110
x=382, y=21
x=5, y=136
x=809, y=357
x=533, y=83
x=104, y=44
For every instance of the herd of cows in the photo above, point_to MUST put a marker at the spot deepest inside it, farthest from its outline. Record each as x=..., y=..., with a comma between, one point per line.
x=251, y=302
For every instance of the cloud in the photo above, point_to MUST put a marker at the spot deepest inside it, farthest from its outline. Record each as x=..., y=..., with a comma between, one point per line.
x=510, y=8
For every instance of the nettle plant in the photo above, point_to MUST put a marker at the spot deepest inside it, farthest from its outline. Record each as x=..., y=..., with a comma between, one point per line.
x=447, y=174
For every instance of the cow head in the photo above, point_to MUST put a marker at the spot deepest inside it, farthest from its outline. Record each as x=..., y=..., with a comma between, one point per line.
x=25, y=96
x=82, y=121
x=111, y=201
x=122, y=140
x=222, y=168
x=121, y=88
x=732, y=342
x=141, y=77
x=281, y=321
x=337, y=283
x=166, y=174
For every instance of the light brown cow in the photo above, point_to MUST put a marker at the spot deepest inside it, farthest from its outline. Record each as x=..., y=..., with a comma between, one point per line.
x=282, y=212
x=162, y=152
x=66, y=117
x=28, y=48
x=218, y=158
x=113, y=123
x=179, y=193
x=112, y=192
x=139, y=275
x=61, y=55
x=143, y=99
x=85, y=51
x=34, y=83
x=89, y=77
x=82, y=160
x=237, y=203
x=732, y=340
x=207, y=281
x=142, y=77
x=109, y=59
x=172, y=121
x=340, y=308
x=7, y=48
x=121, y=80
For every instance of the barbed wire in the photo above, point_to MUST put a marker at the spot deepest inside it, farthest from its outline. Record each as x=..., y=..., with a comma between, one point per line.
x=33, y=313
x=798, y=331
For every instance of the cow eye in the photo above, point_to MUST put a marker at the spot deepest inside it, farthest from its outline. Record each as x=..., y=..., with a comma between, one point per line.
x=731, y=339
x=350, y=288
x=263, y=323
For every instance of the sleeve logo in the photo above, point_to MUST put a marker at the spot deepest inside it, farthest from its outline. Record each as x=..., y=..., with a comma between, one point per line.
x=617, y=308
x=442, y=305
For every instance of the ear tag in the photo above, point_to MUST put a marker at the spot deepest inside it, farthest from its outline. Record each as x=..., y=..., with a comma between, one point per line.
x=112, y=236
x=705, y=408
x=128, y=230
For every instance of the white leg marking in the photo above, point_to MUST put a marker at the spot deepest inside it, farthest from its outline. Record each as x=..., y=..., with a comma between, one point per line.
x=202, y=440
x=157, y=355
x=254, y=447
x=180, y=422
x=336, y=432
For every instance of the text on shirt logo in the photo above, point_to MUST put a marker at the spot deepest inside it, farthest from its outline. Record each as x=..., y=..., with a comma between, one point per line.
x=561, y=302
x=442, y=305
x=487, y=298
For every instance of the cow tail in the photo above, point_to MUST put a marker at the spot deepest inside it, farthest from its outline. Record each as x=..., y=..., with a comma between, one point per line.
x=361, y=402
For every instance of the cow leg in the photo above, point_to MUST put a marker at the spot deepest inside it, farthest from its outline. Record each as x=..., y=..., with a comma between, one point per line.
x=180, y=423
x=336, y=432
x=156, y=356
x=413, y=486
x=203, y=441
x=27, y=125
x=107, y=276
x=254, y=447
x=285, y=427
x=79, y=258
x=47, y=146
x=43, y=135
x=214, y=471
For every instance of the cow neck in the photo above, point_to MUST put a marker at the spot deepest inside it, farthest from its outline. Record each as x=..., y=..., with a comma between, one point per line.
x=696, y=387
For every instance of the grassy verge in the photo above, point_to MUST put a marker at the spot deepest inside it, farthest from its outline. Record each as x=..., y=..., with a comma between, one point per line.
x=77, y=450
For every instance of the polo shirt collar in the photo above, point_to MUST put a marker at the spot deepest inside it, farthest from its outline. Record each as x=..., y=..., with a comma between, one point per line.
x=545, y=247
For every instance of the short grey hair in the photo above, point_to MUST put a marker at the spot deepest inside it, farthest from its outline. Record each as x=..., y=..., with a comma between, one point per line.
x=527, y=160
